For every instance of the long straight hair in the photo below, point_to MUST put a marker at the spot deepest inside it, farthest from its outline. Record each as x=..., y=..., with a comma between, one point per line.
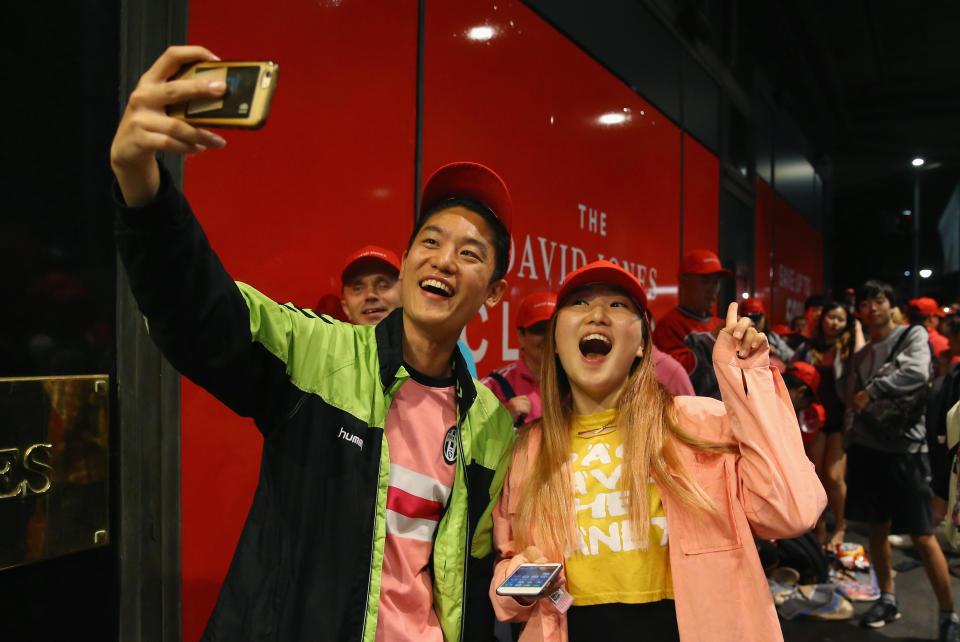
x=647, y=421
x=844, y=341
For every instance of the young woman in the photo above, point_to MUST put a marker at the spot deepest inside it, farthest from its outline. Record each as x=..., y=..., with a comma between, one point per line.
x=651, y=502
x=836, y=337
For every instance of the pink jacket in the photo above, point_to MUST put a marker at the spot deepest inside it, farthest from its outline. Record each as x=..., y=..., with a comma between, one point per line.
x=769, y=490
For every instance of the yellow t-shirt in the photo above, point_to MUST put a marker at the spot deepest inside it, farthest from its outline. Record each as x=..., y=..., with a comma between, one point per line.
x=609, y=568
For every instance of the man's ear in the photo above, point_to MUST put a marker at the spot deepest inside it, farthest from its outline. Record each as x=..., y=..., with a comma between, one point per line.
x=495, y=292
x=346, y=310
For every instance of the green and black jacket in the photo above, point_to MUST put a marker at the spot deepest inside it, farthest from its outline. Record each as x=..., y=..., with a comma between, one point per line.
x=308, y=563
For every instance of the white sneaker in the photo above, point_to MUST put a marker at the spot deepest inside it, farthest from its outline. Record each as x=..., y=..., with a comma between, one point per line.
x=899, y=541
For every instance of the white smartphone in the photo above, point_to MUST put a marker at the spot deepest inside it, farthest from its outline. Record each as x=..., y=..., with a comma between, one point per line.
x=529, y=580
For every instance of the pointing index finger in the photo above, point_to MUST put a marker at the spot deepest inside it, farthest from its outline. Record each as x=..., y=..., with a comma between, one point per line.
x=732, y=316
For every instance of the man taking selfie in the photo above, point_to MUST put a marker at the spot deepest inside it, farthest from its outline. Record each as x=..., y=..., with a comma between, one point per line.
x=382, y=458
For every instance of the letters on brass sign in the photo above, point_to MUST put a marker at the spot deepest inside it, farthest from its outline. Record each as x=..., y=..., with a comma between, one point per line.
x=54, y=466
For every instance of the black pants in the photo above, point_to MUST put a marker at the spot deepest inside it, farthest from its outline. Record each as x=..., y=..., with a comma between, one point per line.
x=656, y=620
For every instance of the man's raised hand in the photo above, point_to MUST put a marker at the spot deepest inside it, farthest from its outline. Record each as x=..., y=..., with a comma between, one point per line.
x=146, y=129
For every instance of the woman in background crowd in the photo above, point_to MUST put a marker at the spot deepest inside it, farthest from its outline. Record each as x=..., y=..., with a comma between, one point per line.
x=836, y=337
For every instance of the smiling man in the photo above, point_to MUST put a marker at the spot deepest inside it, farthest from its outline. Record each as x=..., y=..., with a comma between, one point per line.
x=370, y=285
x=382, y=458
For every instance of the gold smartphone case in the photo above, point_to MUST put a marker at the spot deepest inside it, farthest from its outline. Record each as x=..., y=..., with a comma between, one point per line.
x=246, y=105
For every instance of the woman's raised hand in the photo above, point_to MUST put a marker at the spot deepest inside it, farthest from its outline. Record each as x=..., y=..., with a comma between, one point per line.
x=749, y=341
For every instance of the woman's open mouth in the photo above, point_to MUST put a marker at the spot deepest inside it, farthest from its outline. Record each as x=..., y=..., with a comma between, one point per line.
x=595, y=347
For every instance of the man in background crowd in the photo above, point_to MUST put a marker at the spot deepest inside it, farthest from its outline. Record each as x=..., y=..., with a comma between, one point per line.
x=888, y=469
x=370, y=282
x=517, y=385
x=688, y=332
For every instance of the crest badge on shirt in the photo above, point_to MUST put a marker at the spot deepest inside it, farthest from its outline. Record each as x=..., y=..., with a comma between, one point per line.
x=450, y=446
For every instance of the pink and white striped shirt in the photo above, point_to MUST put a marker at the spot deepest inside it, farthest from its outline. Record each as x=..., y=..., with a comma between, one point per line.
x=420, y=432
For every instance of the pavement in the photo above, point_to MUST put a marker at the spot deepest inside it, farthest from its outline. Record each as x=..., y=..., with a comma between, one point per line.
x=915, y=598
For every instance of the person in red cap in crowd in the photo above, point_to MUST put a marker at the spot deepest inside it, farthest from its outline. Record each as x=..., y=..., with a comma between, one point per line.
x=649, y=500
x=370, y=285
x=754, y=309
x=382, y=458
x=927, y=312
x=687, y=333
x=803, y=382
x=517, y=385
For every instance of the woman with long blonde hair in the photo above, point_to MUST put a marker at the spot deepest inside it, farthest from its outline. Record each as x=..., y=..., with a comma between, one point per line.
x=651, y=502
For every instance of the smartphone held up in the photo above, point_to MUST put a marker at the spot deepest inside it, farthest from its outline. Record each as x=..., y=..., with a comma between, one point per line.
x=244, y=105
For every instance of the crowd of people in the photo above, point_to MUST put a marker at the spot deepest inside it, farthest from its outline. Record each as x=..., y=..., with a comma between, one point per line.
x=397, y=492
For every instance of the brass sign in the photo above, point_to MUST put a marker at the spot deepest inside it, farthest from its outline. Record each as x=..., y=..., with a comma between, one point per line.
x=54, y=466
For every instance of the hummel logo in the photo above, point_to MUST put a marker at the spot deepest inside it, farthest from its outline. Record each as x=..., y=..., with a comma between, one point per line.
x=353, y=439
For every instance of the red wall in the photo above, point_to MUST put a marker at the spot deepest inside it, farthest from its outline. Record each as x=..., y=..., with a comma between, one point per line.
x=331, y=171
x=797, y=261
x=701, y=197
x=527, y=102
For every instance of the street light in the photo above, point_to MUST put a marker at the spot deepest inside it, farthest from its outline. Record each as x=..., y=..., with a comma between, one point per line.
x=926, y=273
x=917, y=164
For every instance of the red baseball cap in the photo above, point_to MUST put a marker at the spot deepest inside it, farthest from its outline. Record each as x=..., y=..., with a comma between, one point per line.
x=535, y=308
x=606, y=273
x=752, y=306
x=805, y=373
x=702, y=262
x=926, y=306
x=469, y=180
x=782, y=329
x=369, y=254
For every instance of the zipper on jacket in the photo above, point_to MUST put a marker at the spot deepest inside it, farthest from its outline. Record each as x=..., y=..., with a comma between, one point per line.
x=466, y=550
x=373, y=545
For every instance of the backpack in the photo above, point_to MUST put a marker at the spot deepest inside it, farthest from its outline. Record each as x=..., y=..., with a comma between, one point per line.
x=890, y=417
x=805, y=554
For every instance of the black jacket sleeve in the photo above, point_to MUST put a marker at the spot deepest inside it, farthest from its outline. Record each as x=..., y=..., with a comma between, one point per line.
x=194, y=310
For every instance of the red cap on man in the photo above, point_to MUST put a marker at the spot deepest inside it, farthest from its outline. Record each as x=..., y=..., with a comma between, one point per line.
x=782, y=329
x=535, y=308
x=926, y=306
x=753, y=305
x=366, y=255
x=606, y=273
x=469, y=180
x=702, y=262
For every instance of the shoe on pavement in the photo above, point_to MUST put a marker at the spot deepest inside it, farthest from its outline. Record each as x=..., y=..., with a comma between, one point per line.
x=880, y=614
x=899, y=541
x=949, y=628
